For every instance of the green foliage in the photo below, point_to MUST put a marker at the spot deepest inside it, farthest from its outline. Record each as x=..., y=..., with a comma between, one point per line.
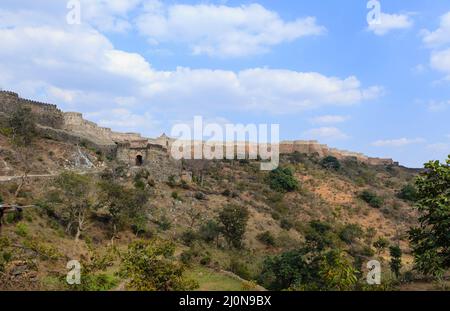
x=239, y=268
x=288, y=269
x=408, y=193
x=124, y=205
x=75, y=194
x=266, y=238
x=349, y=233
x=149, y=266
x=330, y=162
x=97, y=282
x=381, y=244
x=371, y=198
x=23, y=126
x=22, y=229
x=337, y=272
x=430, y=241
x=396, y=260
x=209, y=231
x=234, y=219
x=319, y=235
x=282, y=180
x=286, y=224
x=188, y=237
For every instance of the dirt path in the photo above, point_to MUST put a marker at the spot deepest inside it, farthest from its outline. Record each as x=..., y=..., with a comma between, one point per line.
x=10, y=178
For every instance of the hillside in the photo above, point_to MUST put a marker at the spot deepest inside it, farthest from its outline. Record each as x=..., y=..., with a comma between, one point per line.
x=37, y=246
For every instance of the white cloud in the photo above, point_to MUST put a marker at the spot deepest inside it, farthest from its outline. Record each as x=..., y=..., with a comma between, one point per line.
x=330, y=133
x=79, y=68
x=397, y=142
x=439, y=147
x=439, y=36
x=440, y=61
x=438, y=106
x=389, y=22
x=109, y=15
x=125, y=120
x=220, y=30
x=329, y=119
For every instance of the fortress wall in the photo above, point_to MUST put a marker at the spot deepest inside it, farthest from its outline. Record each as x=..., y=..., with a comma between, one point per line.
x=45, y=114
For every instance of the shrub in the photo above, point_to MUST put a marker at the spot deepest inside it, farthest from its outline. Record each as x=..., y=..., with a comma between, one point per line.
x=408, y=193
x=330, y=162
x=209, y=231
x=350, y=233
x=188, y=237
x=381, y=244
x=149, y=266
x=240, y=268
x=266, y=238
x=282, y=180
x=286, y=224
x=164, y=223
x=21, y=229
x=200, y=196
x=371, y=198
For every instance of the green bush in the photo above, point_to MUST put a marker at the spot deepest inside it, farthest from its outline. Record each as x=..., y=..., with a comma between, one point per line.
x=286, y=224
x=22, y=229
x=408, y=193
x=266, y=238
x=350, y=233
x=209, y=231
x=240, y=268
x=188, y=237
x=371, y=198
x=282, y=180
x=330, y=162
x=150, y=266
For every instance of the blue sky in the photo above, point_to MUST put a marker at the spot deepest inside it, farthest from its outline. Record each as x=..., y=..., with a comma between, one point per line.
x=314, y=67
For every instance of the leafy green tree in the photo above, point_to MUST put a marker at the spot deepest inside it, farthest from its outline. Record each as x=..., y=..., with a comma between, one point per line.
x=430, y=240
x=234, y=223
x=290, y=269
x=150, y=266
x=76, y=199
x=330, y=162
x=337, y=272
x=282, y=180
x=23, y=125
x=124, y=205
x=210, y=231
x=396, y=259
x=23, y=132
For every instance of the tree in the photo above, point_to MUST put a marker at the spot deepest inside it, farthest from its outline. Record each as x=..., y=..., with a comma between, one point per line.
x=337, y=272
x=23, y=131
x=282, y=179
x=430, y=240
x=234, y=223
x=23, y=126
x=124, y=205
x=396, y=259
x=76, y=192
x=149, y=266
x=330, y=162
x=210, y=232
